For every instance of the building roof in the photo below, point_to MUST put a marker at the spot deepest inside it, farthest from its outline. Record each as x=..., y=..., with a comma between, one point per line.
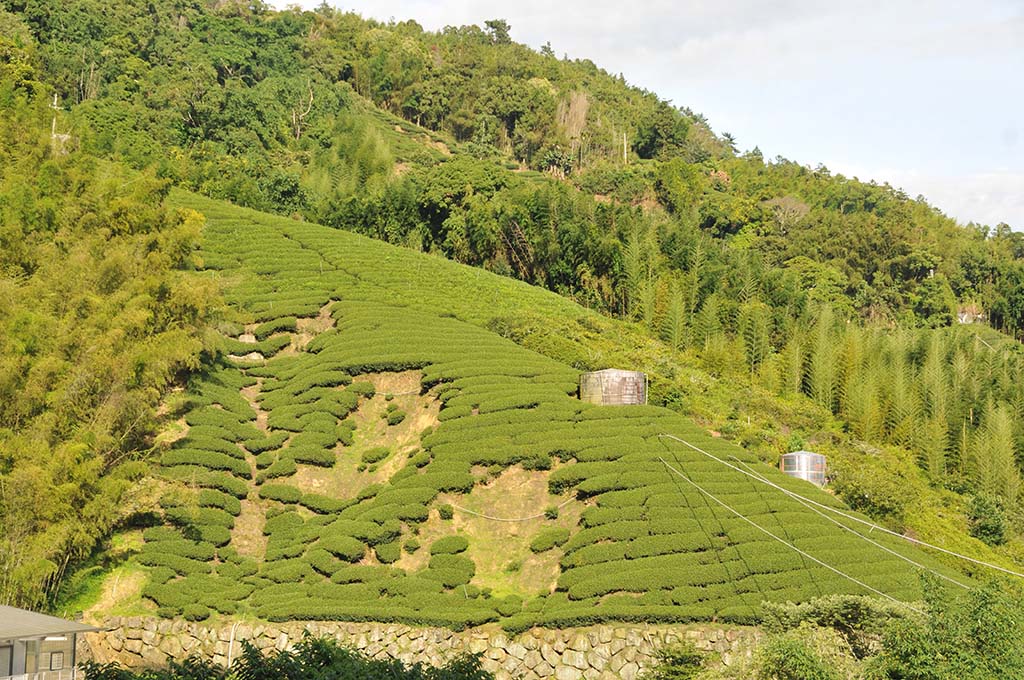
x=19, y=623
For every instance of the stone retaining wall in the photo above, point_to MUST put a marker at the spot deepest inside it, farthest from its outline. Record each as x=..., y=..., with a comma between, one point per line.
x=595, y=653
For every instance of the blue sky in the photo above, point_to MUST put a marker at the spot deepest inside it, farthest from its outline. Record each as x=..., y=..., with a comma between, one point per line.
x=927, y=95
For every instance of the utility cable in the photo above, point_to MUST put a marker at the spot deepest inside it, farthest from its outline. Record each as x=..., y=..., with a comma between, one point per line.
x=785, y=531
x=509, y=519
x=866, y=538
x=789, y=545
x=711, y=541
x=847, y=515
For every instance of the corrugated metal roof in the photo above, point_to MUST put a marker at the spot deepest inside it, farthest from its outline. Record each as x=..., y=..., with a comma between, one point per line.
x=19, y=623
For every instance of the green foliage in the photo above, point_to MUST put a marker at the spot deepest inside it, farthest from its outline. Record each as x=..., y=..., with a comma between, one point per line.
x=311, y=657
x=986, y=519
x=788, y=657
x=195, y=612
x=281, y=492
x=549, y=538
x=973, y=635
x=681, y=661
x=859, y=619
x=449, y=545
x=755, y=274
x=375, y=455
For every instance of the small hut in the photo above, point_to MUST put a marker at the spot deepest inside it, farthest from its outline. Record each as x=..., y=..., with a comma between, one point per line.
x=804, y=465
x=614, y=387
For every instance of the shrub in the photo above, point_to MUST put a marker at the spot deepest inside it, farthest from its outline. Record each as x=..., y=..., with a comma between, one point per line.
x=858, y=618
x=388, y=553
x=213, y=460
x=311, y=455
x=280, y=492
x=788, y=657
x=395, y=417
x=216, y=535
x=344, y=547
x=549, y=538
x=375, y=455
x=680, y=661
x=265, y=330
x=218, y=499
x=411, y=546
x=323, y=505
x=260, y=444
x=200, y=517
x=283, y=467
x=449, y=545
x=445, y=511
x=362, y=388
x=986, y=520
x=451, y=570
x=195, y=612
x=184, y=548
x=872, y=490
x=512, y=604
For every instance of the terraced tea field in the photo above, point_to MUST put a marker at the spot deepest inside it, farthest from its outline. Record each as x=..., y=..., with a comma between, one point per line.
x=371, y=451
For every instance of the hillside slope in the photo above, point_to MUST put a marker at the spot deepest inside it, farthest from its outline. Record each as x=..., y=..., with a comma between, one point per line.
x=388, y=424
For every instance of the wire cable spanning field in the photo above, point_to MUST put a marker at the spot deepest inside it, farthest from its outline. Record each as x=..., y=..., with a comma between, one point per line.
x=803, y=553
x=804, y=501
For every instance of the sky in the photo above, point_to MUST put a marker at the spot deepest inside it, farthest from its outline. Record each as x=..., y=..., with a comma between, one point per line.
x=925, y=94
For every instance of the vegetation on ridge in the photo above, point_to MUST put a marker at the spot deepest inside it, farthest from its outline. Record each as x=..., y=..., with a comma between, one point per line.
x=774, y=302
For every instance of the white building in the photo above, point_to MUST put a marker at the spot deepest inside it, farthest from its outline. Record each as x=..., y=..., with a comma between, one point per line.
x=38, y=647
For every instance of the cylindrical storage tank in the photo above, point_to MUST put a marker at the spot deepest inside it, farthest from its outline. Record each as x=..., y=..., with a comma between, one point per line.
x=614, y=387
x=804, y=465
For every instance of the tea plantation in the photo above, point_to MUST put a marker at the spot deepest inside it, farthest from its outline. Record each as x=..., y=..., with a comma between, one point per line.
x=319, y=313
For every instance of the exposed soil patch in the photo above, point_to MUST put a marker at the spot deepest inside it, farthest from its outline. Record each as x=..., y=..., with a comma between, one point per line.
x=344, y=479
x=247, y=536
x=440, y=146
x=120, y=590
x=501, y=549
x=249, y=394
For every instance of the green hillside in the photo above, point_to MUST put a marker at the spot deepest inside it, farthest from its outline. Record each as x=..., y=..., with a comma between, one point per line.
x=296, y=421
x=346, y=476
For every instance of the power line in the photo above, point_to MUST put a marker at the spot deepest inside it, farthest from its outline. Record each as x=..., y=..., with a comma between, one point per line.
x=789, y=545
x=861, y=536
x=845, y=514
x=510, y=519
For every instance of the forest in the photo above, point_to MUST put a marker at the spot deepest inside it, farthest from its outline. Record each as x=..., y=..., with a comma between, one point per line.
x=799, y=306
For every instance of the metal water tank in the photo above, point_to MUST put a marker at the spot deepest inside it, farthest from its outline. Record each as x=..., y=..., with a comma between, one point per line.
x=804, y=465
x=614, y=387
